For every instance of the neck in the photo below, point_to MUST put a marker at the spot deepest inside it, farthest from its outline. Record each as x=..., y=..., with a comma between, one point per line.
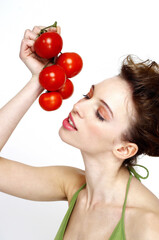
x=106, y=180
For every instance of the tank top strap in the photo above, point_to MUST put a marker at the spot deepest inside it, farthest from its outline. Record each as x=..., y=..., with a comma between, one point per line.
x=126, y=195
x=138, y=176
x=119, y=231
x=61, y=231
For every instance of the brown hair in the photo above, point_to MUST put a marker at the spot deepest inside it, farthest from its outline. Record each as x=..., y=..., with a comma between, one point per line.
x=143, y=78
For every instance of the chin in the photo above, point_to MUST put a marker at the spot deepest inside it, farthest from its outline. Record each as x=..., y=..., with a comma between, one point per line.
x=65, y=137
x=62, y=134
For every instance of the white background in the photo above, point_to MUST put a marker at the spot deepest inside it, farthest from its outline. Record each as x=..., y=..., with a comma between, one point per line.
x=102, y=32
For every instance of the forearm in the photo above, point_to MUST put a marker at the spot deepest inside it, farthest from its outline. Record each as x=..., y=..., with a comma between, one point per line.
x=14, y=110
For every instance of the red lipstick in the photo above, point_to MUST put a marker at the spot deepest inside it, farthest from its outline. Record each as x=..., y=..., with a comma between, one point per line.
x=69, y=123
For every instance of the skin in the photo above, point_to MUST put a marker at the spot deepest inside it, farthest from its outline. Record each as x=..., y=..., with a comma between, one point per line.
x=104, y=156
x=99, y=205
x=106, y=179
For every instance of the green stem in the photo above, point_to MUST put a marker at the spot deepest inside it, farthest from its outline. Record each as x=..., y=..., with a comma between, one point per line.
x=46, y=64
x=53, y=25
x=44, y=29
x=51, y=60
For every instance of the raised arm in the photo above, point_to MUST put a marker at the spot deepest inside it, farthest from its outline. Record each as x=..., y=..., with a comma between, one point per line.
x=53, y=183
x=14, y=110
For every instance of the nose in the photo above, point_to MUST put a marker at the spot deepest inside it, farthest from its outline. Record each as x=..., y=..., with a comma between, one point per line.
x=78, y=109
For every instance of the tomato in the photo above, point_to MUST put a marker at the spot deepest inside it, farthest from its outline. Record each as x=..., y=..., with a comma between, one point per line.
x=67, y=89
x=52, y=78
x=71, y=62
x=48, y=45
x=50, y=101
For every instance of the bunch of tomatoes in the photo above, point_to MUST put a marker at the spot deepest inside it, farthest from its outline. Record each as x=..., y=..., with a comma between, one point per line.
x=55, y=75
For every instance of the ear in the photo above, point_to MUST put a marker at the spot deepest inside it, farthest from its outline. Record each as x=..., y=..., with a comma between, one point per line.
x=125, y=150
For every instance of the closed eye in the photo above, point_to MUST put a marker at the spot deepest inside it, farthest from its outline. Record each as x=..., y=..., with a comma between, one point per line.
x=86, y=96
x=97, y=113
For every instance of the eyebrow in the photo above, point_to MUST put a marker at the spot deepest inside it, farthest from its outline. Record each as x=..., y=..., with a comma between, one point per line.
x=102, y=101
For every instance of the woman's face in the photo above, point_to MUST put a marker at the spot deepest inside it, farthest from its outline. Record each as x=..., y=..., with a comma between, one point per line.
x=100, y=117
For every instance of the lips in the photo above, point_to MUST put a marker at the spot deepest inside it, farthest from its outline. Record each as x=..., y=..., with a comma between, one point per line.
x=69, y=124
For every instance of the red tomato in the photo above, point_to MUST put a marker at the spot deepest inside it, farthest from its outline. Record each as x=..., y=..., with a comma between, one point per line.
x=50, y=101
x=48, y=45
x=67, y=89
x=71, y=62
x=52, y=78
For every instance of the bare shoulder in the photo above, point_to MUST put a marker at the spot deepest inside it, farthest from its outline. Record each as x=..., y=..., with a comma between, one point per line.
x=151, y=225
x=142, y=198
x=143, y=225
x=73, y=179
x=145, y=213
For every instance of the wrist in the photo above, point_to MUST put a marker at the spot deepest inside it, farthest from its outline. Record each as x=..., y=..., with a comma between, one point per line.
x=34, y=81
x=34, y=86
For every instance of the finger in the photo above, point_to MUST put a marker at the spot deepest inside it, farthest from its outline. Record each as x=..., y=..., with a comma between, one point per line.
x=52, y=29
x=23, y=48
x=28, y=42
x=26, y=45
x=37, y=29
x=30, y=34
x=58, y=29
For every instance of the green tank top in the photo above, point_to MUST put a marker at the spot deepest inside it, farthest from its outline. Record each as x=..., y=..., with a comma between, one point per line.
x=119, y=231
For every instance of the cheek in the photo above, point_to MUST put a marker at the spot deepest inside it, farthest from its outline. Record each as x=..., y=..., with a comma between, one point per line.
x=103, y=136
x=99, y=134
x=100, y=139
x=96, y=130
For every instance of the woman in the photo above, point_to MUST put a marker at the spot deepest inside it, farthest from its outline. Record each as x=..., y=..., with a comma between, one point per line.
x=111, y=125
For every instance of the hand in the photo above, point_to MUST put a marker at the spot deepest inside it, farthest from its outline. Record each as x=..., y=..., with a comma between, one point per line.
x=27, y=53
